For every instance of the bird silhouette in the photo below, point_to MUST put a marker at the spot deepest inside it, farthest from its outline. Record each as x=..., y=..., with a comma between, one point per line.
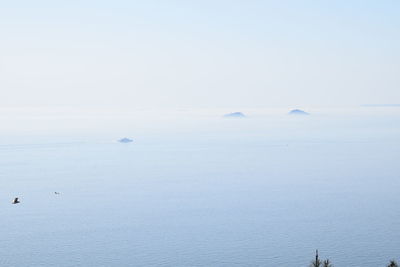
x=16, y=201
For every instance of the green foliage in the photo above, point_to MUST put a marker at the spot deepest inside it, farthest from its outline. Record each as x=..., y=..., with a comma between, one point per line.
x=327, y=263
x=393, y=264
x=318, y=263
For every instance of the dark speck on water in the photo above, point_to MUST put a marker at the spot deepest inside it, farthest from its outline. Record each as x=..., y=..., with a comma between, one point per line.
x=125, y=140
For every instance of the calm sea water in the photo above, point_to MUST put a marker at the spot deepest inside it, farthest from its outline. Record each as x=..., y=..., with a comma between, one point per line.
x=252, y=192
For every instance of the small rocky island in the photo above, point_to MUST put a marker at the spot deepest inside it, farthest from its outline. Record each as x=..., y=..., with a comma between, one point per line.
x=235, y=115
x=125, y=140
x=298, y=112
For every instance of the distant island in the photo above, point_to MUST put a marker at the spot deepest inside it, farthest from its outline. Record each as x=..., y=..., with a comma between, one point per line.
x=381, y=105
x=298, y=112
x=235, y=115
x=125, y=140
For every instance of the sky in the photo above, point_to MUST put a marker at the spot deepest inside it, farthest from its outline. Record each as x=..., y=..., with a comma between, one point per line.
x=199, y=54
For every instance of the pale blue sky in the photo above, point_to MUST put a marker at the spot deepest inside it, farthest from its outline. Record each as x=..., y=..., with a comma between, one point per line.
x=181, y=54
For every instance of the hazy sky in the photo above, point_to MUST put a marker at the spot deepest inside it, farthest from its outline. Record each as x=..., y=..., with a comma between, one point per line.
x=204, y=53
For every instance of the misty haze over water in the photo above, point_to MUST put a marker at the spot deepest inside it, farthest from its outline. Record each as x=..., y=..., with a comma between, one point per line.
x=196, y=189
x=157, y=133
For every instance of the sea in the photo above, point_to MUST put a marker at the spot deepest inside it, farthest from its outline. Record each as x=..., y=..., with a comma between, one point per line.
x=197, y=189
